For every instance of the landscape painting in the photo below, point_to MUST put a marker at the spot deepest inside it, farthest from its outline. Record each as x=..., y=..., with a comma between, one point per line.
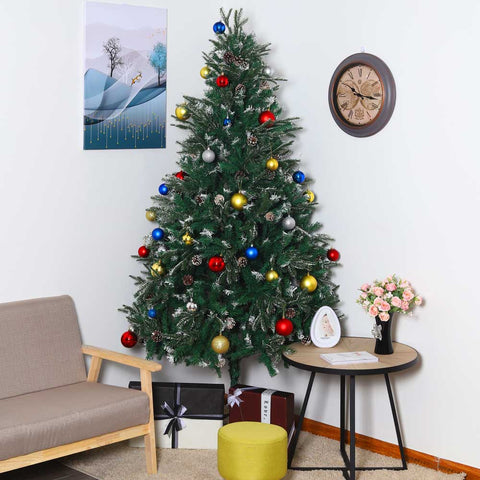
x=125, y=77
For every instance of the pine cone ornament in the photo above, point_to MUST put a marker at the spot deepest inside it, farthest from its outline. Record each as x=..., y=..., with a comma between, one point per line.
x=157, y=336
x=264, y=85
x=187, y=280
x=197, y=260
x=200, y=199
x=230, y=323
x=270, y=174
x=242, y=262
x=252, y=140
x=290, y=313
x=243, y=64
x=306, y=340
x=219, y=200
x=240, y=89
x=240, y=174
x=228, y=57
x=269, y=216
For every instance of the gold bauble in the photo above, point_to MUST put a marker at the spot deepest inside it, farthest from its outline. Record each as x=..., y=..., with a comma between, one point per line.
x=310, y=195
x=188, y=240
x=220, y=344
x=150, y=215
x=204, y=72
x=181, y=112
x=157, y=269
x=272, y=163
x=238, y=201
x=271, y=276
x=309, y=283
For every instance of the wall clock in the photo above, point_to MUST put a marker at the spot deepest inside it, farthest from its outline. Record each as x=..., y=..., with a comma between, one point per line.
x=362, y=95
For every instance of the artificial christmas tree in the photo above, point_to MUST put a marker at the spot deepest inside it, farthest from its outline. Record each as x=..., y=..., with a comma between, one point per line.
x=235, y=222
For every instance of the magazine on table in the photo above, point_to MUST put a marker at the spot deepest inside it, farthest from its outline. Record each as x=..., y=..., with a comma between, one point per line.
x=344, y=358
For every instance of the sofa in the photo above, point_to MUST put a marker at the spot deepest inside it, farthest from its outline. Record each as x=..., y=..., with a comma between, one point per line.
x=49, y=406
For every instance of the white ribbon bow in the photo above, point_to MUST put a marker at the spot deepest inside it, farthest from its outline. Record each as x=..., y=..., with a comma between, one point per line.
x=234, y=398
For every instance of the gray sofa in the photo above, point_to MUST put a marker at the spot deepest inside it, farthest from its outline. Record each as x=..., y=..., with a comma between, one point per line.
x=48, y=406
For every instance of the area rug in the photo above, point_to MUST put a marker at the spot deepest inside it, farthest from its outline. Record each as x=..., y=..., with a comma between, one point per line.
x=121, y=462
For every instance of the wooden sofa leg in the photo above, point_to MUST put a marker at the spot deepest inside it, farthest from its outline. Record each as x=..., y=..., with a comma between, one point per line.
x=150, y=447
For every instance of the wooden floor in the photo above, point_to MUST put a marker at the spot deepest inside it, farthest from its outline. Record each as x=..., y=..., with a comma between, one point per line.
x=45, y=471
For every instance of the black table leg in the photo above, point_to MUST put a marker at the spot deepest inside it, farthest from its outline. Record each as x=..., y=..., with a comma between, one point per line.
x=299, y=424
x=352, y=427
x=342, y=412
x=395, y=421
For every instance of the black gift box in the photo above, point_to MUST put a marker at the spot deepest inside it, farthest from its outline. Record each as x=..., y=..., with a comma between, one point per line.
x=177, y=401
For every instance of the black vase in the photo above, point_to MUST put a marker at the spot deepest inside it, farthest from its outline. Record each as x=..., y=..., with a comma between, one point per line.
x=383, y=345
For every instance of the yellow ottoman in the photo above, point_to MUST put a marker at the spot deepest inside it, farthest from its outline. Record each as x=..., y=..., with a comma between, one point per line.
x=252, y=451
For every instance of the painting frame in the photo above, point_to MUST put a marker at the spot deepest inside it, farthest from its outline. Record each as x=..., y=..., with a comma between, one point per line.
x=325, y=333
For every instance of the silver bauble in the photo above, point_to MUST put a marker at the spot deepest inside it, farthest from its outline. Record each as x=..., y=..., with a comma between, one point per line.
x=192, y=307
x=288, y=223
x=267, y=70
x=208, y=156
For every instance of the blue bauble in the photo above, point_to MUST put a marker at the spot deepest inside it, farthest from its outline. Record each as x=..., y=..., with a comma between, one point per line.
x=251, y=253
x=163, y=189
x=227, y=122
x=158, y=234
x=219, y=27
x=298, y=177
x=152, y=313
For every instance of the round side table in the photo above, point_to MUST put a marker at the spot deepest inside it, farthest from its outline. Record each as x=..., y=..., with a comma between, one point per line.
x=307, y=357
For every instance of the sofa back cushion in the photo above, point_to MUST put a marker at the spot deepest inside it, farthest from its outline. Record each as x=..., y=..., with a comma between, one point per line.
x=40, y=347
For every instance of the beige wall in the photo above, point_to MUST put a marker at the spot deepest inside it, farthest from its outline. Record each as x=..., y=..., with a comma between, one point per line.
x=402, y=201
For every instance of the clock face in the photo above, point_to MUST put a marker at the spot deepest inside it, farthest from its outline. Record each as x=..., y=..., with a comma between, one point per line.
x=359, y=94
x=362, y=95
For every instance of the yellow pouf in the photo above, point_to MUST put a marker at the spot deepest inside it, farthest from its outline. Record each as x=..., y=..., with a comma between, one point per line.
x=252, y=451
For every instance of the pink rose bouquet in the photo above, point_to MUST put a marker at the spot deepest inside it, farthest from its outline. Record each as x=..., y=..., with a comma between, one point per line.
x=385, y=297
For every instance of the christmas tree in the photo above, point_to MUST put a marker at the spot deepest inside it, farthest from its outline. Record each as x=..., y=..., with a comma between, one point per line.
x=236, y=266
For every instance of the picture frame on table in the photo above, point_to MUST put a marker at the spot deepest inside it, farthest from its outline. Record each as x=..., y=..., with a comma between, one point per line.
x=325, y=330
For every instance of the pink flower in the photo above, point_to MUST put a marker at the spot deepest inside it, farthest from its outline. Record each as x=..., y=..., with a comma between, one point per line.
x=405, y=306
x=377, y=301
x=391, y=287
x=364, y=295
x=408, y=295
x=365, y=287
x=384, y=306
x=418, y=300
x=384, y=316
x=404, y=284
x=396, y=302
x=378, y=291
x=373, y=311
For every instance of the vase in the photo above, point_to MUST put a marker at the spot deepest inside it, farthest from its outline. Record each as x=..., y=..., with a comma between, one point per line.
x=383, y=344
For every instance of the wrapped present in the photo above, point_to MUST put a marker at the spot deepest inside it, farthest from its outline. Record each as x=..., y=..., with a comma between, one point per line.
x=254, y=404
x=187, y=415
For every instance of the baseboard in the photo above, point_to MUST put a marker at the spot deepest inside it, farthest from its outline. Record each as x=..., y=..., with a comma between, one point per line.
x=391, y=450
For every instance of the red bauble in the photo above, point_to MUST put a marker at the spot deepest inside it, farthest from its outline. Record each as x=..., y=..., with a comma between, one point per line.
x=129, y=339
x=180, y=175
x=222, y=81
x=216, y=264
x=143, y=251
x=266, y=116
x=284, y=327
x=333, y=255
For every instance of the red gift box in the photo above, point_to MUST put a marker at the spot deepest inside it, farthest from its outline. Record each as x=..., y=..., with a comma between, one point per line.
x=252, y=404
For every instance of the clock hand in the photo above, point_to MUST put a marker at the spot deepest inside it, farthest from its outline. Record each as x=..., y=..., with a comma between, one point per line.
x=351, y=88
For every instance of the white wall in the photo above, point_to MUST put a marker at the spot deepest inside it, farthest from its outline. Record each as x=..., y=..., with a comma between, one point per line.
x=401, y=201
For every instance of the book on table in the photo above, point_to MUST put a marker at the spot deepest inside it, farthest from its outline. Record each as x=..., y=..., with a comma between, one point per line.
x=344, y=358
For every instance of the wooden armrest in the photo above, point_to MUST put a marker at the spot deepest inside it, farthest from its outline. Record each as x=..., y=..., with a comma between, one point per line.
x=104, y=354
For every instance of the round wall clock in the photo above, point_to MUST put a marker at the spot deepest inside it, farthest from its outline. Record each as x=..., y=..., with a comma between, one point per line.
x=362, y=95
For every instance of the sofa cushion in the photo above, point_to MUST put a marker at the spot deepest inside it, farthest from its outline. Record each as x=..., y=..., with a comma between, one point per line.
x=44, y=346
x=49, y=418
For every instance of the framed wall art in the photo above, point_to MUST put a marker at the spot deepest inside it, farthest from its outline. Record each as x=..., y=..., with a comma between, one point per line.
x=125, y=77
